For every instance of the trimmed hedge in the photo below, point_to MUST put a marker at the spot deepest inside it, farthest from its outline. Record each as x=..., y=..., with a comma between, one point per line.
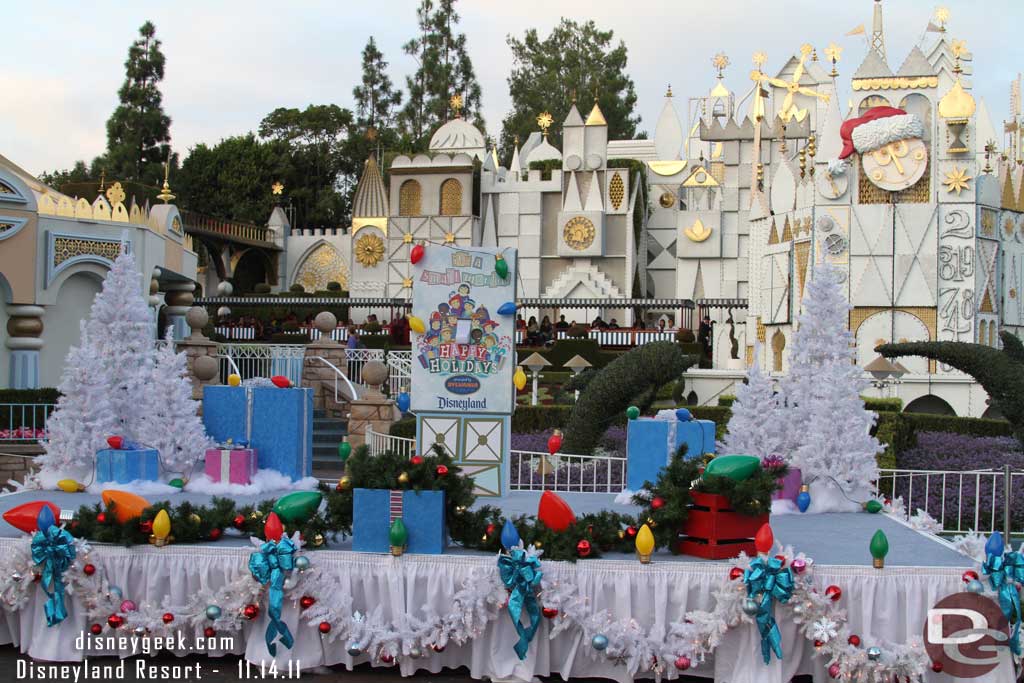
x=896, y=433
x=406, y=427
x=972, y=426
x=726, y=400
x=883, y=405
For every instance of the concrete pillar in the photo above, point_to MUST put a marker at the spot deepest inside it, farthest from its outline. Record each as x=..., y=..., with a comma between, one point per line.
x=179, y=298
x=372, y=408
x=24, y=339
x=203, y=363
x=319, y=376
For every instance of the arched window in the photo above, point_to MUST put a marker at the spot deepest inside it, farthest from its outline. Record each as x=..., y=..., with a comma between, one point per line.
x=983, y=332
x=451, y=198
x=872, y=101
x=410, y=195
x=916, y=103
x=778, y=344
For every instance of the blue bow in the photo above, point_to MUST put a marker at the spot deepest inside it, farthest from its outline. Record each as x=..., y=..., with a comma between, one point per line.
x=521, y=574
x=269, y=565
x=55, y=550
x=1002, y=571
x=768, y=581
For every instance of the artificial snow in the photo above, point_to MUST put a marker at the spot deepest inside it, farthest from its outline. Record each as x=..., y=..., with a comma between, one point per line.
x=263, y=482
x=784, y=507
x=827, y=497
x=140, y=487
x=624, y=497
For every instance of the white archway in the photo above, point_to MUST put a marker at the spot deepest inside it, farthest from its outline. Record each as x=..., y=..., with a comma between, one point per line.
x=61, y=323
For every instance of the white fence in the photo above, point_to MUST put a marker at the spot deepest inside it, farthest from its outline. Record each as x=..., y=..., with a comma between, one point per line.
x=236, y=333
x=24, y=421
x=613, y=337
x=262, y=360
x=381, y=443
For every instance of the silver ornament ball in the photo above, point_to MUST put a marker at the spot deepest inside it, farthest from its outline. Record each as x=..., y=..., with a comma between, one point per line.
x=302, y=563
x=415, y=652
x=599, y=642
x=140, y=630
x=750, y=607
x=874, y=653
x=289, y=583
x=213, y=612
x=975, y=586
x=354, y=650
x=16, y=577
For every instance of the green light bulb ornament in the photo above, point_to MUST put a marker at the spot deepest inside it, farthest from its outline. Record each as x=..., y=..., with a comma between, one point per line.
x=879, y=548
x=398, y=536
x=500, y=266
x=873, y=506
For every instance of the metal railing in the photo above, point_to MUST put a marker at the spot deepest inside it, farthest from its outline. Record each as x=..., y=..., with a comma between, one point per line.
x=262, y=360
x=534, y=471
x=975, y=500
x=233, y=332
x=357, y=360
x=399, y=370
x=353, y=394
x=236, y=230
x=24, y=421
x=626, y=337
x=382, y=443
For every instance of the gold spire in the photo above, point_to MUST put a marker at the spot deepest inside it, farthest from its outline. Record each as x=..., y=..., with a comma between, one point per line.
x=720, y=61
x=165, y=193
x=668, y=93
x=596, y=117
x=833, y=52
x=456, y=104
x=957, y=103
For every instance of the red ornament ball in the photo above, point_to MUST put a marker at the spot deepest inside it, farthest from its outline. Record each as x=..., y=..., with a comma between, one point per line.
x=854, y=640
x=631, y=531
x=238, y=521
x=583, y=548
x=735, y=573
x=682, y=662
x=95, y=629
x=416, y=460
x=490, y=529
x=115, y=621
x=819, y=643
x=250, y=611
x=214, y=533
x=437, y=648
x=146, y=527
x=306, y=601
x=834, y=593
x=969, y=575
x=324, y=627
x=657, y=503
x=89, y=569
x=442, y=470
x=937, y=667
x=168, y=617
x=834, y=670
x=101, y=518
x=209, y=632
x=386, y=658
x=549, y=612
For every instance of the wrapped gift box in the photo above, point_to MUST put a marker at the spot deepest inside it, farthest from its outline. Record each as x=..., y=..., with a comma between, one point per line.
x=422, y=512
x=277, y=423
x=651, y=442
x=232, y=465
x=790, y=485
x=124, y=465
x=715, y=531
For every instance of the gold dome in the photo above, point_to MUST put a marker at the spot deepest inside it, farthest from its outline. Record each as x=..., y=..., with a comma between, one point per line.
x=957, y=103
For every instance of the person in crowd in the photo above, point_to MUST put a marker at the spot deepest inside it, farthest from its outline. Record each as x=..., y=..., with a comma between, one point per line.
x=353, y=338
x=547, y=332
x=661, y=325
x=704, y=334
x=520, y=323
x=613, y=325
x=532, y=332
x=561, y=324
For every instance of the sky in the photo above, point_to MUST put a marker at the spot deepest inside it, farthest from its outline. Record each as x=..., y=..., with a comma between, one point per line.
x=230, y=63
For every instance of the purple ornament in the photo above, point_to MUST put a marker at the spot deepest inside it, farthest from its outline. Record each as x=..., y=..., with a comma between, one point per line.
x=772, y=462
x=799, y=564
x=128, y=606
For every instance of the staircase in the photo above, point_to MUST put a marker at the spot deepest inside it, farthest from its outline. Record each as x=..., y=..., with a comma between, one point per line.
x=328, y=432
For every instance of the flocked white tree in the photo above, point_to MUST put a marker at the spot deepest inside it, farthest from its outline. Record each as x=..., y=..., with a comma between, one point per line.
x=827, y=428
x=755, y=426
x=170, y=422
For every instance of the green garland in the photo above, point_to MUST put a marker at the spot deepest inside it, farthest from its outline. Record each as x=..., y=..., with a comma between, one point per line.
x=665, y=505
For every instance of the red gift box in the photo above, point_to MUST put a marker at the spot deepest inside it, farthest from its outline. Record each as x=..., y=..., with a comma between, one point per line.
x=716, y=532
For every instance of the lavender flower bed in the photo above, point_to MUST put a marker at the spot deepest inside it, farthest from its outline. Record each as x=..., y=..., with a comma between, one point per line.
x=563, y=471
x=960, y=453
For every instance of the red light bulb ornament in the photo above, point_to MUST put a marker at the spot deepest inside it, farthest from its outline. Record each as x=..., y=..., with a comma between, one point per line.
x=555, y=442
x=416, y=460
x=416, y=253
x=764, y=540
x=272, y=528
x=657, y=503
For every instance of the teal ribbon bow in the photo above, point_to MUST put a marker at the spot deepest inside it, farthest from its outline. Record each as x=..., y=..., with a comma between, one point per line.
x=521, y=574
x=269, y=565
x=55, y=550
x=767, y=581
x=1002, y=572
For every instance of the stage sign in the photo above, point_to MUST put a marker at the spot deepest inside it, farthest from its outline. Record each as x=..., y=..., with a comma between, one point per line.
x=464, y=361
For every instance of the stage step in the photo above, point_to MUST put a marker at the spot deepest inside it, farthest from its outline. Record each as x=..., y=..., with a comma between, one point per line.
x=328, y=432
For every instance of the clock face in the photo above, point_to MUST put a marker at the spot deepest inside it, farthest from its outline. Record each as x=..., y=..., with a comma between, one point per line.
x=897, y=165
x=579, y=233
x=832, y=186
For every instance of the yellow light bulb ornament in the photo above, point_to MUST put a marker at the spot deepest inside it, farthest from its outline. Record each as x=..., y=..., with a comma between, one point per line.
x=519, y=378
x=161, y=528
x=416, y=324
x=234, y=380
x=644, y=544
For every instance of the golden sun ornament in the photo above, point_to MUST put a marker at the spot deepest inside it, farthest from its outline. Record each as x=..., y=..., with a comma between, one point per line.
x=544, y=121
x=369, y=250
x=956, y=180
x=277, y=188
x=449, y=238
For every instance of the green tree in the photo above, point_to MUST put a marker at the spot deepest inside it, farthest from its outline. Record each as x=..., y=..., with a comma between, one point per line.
x=79, y=173
x=376, y=97
x=444, y=68
x=575, y=60
x=138, y=132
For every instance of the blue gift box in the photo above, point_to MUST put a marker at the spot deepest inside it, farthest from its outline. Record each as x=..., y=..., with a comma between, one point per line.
x=277, y=423
x=422, y=512
x=121, y=466
x=647, y=445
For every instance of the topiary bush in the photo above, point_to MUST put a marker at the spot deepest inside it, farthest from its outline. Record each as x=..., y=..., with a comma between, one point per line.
x=333, y=286
x=883, y=405
x=685, y=336
x=261, y=288
x=726, y=400
x=639, y=372
x=297, y=289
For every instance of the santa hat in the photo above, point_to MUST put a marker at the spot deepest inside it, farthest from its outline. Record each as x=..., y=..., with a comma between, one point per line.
x=878, y=127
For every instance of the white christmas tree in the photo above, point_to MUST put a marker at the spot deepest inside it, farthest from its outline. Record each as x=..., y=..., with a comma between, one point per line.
x=755, y=426
x=827, y=429
x=170, y=423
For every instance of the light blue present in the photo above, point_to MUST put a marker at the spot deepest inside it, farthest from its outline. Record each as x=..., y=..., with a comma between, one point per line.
x=422, y=512
x=651, y=442
x=120, y=466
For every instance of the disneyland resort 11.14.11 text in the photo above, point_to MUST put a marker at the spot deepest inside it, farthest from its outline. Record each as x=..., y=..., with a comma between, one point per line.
x=141, y=669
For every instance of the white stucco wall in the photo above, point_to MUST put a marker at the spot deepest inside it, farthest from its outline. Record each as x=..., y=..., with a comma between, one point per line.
x=61, y=321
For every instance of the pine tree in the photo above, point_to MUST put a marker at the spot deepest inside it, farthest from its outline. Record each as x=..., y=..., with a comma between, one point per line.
x=170, y=423
x=756, y=424
x=376, y=97
x=827, y=426
x=138, y=132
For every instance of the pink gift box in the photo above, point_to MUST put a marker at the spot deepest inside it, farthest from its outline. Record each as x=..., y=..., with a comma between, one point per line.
x=790, y=485
x=237, y=465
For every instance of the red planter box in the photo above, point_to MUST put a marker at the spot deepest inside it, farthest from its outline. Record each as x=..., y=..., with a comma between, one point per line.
x=715, y=532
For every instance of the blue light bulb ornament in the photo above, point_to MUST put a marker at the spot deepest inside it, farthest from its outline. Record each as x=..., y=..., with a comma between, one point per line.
x=995, y=545
x=803, y=499
x=507, y=308
x=44, y=520
x=683, y=415
x=404, y=401
x=509, y=535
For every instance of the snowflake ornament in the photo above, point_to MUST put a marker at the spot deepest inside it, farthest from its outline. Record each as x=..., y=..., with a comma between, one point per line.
x=824, y=629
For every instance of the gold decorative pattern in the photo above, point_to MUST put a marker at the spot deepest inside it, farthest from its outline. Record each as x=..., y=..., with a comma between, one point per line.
x=750, y=356
x=773, y=234
x=579, y=233
x=762, y=330
x=700, y=178
x=616, y=190
x=451, y=198
x=787, y=231
x=323, y=265
x=407, y=283
x=923, y=313
x=718, y=170
x=802, y=252
x=277, y=188
x=115, y=193
x=410, y=198
x=896, y=83
x=1008, y=226
x=369, y=250
x=544, y=121
x=666, y=168
x=455, y=104
x=67, y=248
x=667, y=200
x=697, y=232
x=407, y=238
x=449, y=238
x=869, y=193
x=956, y=180
x=176, y=226
x=988, y=223
x=596, y=117
x=957, y=103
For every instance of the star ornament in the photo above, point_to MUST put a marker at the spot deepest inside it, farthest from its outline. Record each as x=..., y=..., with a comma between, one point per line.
x=544, y=121
x=833, y=52
x=277, y=188
x=957, y=180
x=449, y=238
